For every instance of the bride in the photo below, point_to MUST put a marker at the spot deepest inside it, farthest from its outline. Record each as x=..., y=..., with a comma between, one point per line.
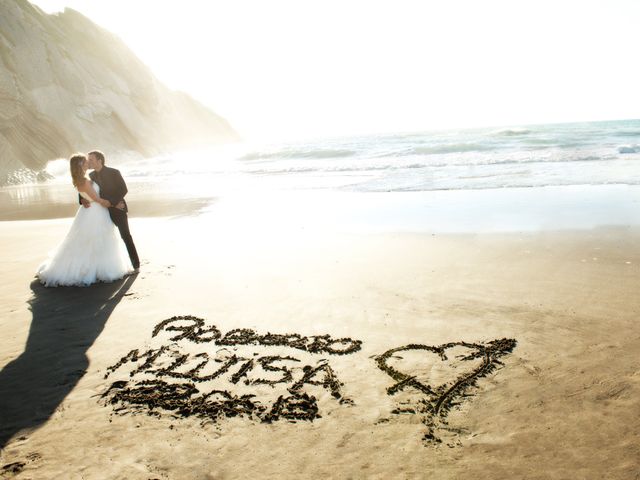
x=92, y=251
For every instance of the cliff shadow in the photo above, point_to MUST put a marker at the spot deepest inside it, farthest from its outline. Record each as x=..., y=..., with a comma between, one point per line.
x=66, y=321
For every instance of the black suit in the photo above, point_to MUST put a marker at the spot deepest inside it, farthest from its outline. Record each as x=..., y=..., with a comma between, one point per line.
x=113, y=188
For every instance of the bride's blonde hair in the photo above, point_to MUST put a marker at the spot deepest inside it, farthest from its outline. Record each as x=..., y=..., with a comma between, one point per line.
x=77, y=173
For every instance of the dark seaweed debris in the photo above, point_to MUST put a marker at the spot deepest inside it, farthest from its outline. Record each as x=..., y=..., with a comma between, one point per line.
x=197, y=332
x=12, y=468
x=184, y=398
x=329, y=381
x=297, y=406
x=181, y=399
x=266, y=363
x=439, y=400
x=133, y=356
x=155, y=397
x=194, y=375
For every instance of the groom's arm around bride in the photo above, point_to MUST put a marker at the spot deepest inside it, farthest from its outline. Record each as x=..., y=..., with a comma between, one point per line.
x=113, y=188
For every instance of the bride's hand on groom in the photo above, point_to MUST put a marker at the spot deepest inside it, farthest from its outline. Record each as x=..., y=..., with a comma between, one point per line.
x=105, y=203
x=120, y=205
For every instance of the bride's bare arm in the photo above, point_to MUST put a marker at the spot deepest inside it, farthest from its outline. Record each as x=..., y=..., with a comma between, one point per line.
x=89, y=190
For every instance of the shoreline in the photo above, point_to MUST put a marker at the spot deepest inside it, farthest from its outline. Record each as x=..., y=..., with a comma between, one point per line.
x=443, y=211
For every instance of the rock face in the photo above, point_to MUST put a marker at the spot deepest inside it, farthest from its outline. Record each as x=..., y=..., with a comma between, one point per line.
x=68, y=85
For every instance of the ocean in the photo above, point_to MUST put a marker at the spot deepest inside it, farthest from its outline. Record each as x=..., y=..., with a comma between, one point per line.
x=595, y=153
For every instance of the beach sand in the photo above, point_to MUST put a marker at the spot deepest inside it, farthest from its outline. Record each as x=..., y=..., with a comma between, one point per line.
x=563, y=403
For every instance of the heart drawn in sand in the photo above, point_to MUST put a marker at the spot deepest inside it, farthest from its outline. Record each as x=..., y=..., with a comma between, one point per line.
x=442, y=372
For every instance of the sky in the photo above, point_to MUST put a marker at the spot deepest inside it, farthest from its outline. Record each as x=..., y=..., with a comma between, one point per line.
x=294, y=69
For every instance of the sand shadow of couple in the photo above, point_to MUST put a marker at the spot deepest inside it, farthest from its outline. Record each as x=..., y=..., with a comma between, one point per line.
x=66, y=321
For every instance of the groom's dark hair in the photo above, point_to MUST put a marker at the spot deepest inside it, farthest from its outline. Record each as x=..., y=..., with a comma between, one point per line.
x=98, y=154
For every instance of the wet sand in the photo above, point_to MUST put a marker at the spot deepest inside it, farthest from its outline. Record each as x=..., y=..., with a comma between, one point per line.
x=562, y=403
x=59, y=200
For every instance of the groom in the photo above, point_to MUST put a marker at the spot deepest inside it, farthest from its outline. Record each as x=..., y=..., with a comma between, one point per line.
x=113, y=189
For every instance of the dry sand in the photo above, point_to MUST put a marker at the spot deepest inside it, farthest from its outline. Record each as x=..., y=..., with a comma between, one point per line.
x=563, y=404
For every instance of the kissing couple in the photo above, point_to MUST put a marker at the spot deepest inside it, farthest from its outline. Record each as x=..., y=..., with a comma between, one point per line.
x=92, y=252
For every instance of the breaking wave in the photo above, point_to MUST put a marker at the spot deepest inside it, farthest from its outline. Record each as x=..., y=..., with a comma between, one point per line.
x=300, y=153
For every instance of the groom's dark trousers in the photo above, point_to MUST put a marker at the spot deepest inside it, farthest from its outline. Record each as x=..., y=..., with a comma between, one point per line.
x=113, y=188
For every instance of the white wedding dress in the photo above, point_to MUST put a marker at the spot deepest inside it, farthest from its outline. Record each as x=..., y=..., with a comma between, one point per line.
x=91, y=252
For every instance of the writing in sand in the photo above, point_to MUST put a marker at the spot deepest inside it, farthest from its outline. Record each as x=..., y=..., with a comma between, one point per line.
x=191, y=369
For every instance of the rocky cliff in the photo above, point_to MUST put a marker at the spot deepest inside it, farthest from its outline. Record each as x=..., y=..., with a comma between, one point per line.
x=68, y=85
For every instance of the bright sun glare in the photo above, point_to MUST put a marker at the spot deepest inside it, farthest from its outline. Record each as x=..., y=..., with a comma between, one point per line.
x=291, y=69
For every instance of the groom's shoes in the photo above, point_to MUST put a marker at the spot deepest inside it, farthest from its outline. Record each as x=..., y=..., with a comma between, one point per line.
x=135, y=271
